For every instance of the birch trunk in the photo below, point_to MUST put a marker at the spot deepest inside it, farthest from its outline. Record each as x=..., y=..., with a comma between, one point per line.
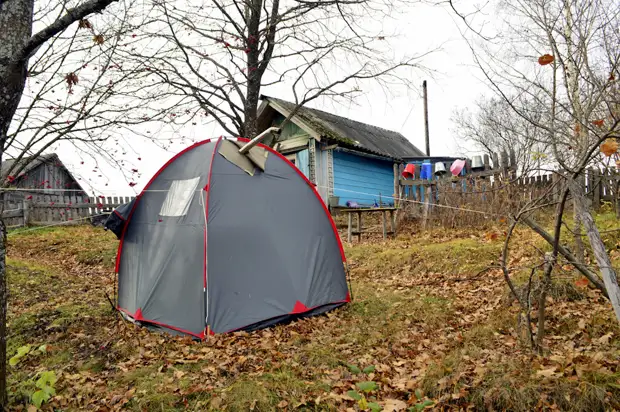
x=598, y=247
x=577, y=234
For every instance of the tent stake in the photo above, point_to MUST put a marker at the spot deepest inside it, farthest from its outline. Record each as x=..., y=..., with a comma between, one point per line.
x=257, y=139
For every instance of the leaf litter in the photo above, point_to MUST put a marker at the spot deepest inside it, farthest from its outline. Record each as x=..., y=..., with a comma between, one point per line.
x=414, y=338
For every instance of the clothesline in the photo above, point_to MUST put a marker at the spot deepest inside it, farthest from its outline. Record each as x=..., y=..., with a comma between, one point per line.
x=399, y=199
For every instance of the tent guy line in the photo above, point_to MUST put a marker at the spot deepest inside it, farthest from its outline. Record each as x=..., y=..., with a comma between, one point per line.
x=400, y=199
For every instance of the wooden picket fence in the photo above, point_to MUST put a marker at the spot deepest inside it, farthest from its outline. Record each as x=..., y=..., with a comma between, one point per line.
x=496, y=190
x=37, y=209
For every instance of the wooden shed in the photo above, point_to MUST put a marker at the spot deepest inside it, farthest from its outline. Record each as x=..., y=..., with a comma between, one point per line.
x=349, y=161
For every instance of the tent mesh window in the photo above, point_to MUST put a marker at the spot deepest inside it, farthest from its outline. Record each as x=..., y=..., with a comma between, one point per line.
x=179, y=197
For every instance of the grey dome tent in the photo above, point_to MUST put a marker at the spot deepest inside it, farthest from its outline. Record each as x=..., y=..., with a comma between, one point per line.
x=220, y=241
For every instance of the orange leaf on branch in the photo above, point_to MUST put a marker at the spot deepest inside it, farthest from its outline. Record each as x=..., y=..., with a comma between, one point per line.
x=545, y=59
x=98, y=39
x=609, y=147
x=598, y=122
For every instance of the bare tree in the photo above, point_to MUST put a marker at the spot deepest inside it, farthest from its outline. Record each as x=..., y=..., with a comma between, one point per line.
x=214, y=58
x=494, y=127
x=62, y=86
x=562, y=58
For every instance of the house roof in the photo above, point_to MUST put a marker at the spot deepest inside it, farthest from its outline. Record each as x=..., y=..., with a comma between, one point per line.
x=361, y=136
x=8, y=165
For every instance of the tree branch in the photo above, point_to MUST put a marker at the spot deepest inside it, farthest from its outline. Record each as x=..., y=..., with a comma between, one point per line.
x=73, y=15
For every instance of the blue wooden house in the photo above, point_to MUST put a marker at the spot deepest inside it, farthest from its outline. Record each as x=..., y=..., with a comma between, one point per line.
x=349, y=161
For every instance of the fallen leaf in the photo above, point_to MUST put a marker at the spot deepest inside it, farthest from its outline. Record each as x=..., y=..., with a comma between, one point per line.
x=582, y=324
x=548, y=372
x=392, y=405
x=605, y=338
x=582, y=282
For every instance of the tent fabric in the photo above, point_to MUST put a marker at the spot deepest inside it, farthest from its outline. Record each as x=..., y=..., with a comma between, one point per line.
x=209, y=247
x=116, y=220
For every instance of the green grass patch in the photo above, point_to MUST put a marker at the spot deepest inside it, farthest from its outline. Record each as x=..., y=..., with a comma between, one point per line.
x=457, y=256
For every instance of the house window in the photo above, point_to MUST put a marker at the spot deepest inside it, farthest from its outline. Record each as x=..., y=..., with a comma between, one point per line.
x=291, y=157
x=179, y=197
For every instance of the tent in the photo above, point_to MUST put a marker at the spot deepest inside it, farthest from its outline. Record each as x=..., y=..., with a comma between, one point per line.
x=221, y=241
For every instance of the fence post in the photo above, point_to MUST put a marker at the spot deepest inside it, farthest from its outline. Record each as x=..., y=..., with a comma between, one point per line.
x=596, y=200
x=396, y=185
x=26, y=209
x=427, y=199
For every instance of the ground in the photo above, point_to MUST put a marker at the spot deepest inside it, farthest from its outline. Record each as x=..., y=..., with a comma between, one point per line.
x=431, y=326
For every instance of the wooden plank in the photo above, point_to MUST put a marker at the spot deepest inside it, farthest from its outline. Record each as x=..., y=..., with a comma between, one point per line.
x=110, y=204
x=359, y=226
x=293, y=144
x=62, y=205
x=486, y=162
x=366, y=209
x=606, y=186
x=67, y=212
x=350, y=227
x=512, y=157
x=12, y=213
x=426, y=210
x=396, y=185
x=495, y=160
x=596, y=200
x=75, y=213
x=49, y=215
x=26, y=209
x=383, y=214
x=56, y=212
x=503, y=160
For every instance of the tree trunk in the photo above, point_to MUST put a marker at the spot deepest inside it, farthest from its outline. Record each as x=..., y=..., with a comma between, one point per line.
x=542, y=301
x=15, y=31
x=617, y=197
x=250, y=128
x=253, y=16
x=577, y=233
x=598, y=247
x=3, y=310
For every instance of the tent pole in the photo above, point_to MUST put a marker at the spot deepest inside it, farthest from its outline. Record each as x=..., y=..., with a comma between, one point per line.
x=246, y=148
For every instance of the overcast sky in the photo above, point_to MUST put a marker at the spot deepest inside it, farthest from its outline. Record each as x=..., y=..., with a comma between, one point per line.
x=454, y=84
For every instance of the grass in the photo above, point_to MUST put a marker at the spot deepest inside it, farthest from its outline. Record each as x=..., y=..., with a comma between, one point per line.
x=415, y=317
